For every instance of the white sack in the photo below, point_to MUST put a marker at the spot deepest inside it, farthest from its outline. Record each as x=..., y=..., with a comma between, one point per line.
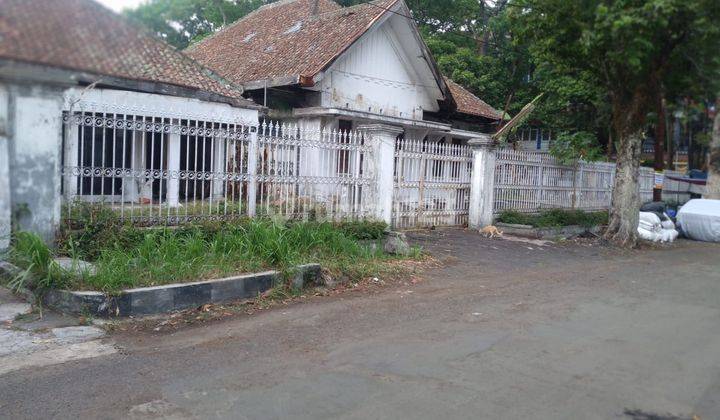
x=649, y=235
x=649, y=217
x=700, y=220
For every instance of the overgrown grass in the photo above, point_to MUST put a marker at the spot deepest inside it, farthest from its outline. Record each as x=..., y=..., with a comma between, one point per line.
x=40, y=271
x=555, y=218
x=126, y=257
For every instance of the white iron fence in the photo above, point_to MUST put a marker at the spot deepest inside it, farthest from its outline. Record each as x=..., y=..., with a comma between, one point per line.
x=530, y=182
x=314, y=174
x=151, y=170
x=432, y=184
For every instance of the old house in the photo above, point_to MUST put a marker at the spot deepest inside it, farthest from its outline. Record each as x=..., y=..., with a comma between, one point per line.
x=331, y=67
x=124, y=117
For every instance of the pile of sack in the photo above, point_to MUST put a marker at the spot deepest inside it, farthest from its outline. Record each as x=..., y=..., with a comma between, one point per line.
x=656, y=227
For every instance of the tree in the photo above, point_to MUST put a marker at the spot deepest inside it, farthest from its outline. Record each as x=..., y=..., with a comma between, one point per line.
x=180, y=22
x=628, y=47
x=713, y=183
x=574, y=148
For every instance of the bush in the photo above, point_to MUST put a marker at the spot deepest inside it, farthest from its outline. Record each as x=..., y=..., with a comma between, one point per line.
x=30, y=253
x=127, y=256
x=555, y=218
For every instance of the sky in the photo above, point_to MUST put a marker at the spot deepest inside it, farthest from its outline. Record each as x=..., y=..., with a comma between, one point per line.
x=118, y=5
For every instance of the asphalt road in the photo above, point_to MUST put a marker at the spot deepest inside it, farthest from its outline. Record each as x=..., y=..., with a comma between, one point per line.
x=504, y=330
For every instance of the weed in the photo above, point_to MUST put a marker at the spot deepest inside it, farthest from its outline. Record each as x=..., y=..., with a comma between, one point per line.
x=555, y=218
x=125, y=256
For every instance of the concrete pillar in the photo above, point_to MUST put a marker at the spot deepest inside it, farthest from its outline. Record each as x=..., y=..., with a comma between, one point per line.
x=72, y=164
x=173, y=168
x=37, y=154
x=383, y=138
x=482, y=186
x=5, y=205
x=252, y=172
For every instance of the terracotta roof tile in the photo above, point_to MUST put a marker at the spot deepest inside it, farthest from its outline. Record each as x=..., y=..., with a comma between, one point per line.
x=83, y=35
x=467, y=103
x=285, y=39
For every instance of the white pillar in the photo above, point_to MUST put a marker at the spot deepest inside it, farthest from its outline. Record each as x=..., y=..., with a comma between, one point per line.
x=173, y=167
x=383, y=141
x=252, y=172
x=482, y=186
x=5, y=205
x=70, y=181
x=219, y=167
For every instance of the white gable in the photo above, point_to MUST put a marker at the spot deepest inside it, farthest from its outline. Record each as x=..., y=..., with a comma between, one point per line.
x=383, y=73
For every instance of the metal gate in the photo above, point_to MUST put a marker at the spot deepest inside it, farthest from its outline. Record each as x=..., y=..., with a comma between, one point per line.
x=432, y=184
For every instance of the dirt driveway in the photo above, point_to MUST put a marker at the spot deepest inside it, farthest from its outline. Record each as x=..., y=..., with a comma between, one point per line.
x=503, y=330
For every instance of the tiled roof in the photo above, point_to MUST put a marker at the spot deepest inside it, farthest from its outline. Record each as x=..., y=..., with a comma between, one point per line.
x=467, y=103
x=83, y=35
x=285, y=39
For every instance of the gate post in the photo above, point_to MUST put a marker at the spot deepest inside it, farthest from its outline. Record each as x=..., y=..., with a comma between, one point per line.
x=5, y=205
x=383, y=138
x=252, y=180
x=482, y=182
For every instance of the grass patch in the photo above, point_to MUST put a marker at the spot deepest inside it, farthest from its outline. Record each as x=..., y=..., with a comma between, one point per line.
x=126, y=257
x=555, y=218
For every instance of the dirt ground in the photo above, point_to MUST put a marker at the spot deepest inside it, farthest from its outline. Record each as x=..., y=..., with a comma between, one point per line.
x=498, y=329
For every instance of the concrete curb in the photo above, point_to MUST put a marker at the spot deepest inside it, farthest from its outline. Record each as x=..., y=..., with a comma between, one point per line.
x=174, y=297
x=556, y=233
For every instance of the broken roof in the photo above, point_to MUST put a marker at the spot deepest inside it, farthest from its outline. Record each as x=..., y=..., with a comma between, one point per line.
x=83, y=35
x=287, y=41
x=467, y=103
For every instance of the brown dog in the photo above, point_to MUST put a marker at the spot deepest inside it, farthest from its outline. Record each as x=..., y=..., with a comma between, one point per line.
x=491, y=232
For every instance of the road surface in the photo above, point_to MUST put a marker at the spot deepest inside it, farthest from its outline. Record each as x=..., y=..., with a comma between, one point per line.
x=503, y=330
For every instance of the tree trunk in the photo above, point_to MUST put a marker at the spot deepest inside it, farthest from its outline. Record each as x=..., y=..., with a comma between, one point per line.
x=659, y=143
x=713, y=184
x=624, y=214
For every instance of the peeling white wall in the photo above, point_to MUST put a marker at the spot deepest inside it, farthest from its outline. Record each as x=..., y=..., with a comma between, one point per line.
x=31, y=143
x=380, y=74
x=5, y=204
x=36, y=157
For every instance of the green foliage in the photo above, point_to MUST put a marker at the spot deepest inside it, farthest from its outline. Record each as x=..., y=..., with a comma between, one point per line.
x=364, y=230
x=627, y=47
x=570, y=148
x=181, y=22
x=555, y=218
x=40, y=271
x=126, y=256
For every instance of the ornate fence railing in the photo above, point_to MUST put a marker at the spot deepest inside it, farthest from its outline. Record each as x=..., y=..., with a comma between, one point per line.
x=152, y=170
x=432, y=184
x=531, y=182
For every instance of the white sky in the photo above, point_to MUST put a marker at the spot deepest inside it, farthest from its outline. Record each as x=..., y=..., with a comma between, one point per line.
x=118, y=5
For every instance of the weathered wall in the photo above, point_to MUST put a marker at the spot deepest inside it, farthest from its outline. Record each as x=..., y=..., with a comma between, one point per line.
x=31, y=143
x=5, y=206
x=380, y=74
x=35, y=134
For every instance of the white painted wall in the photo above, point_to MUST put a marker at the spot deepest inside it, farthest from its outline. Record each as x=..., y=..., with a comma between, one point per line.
x=117, y=101
x=36, y=159
x=5, y=203
x=380, y=74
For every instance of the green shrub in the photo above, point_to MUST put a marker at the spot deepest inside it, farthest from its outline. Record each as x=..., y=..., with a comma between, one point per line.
x=40, y=270
x=127, y=256
x=364, y=230
x=555, y=218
